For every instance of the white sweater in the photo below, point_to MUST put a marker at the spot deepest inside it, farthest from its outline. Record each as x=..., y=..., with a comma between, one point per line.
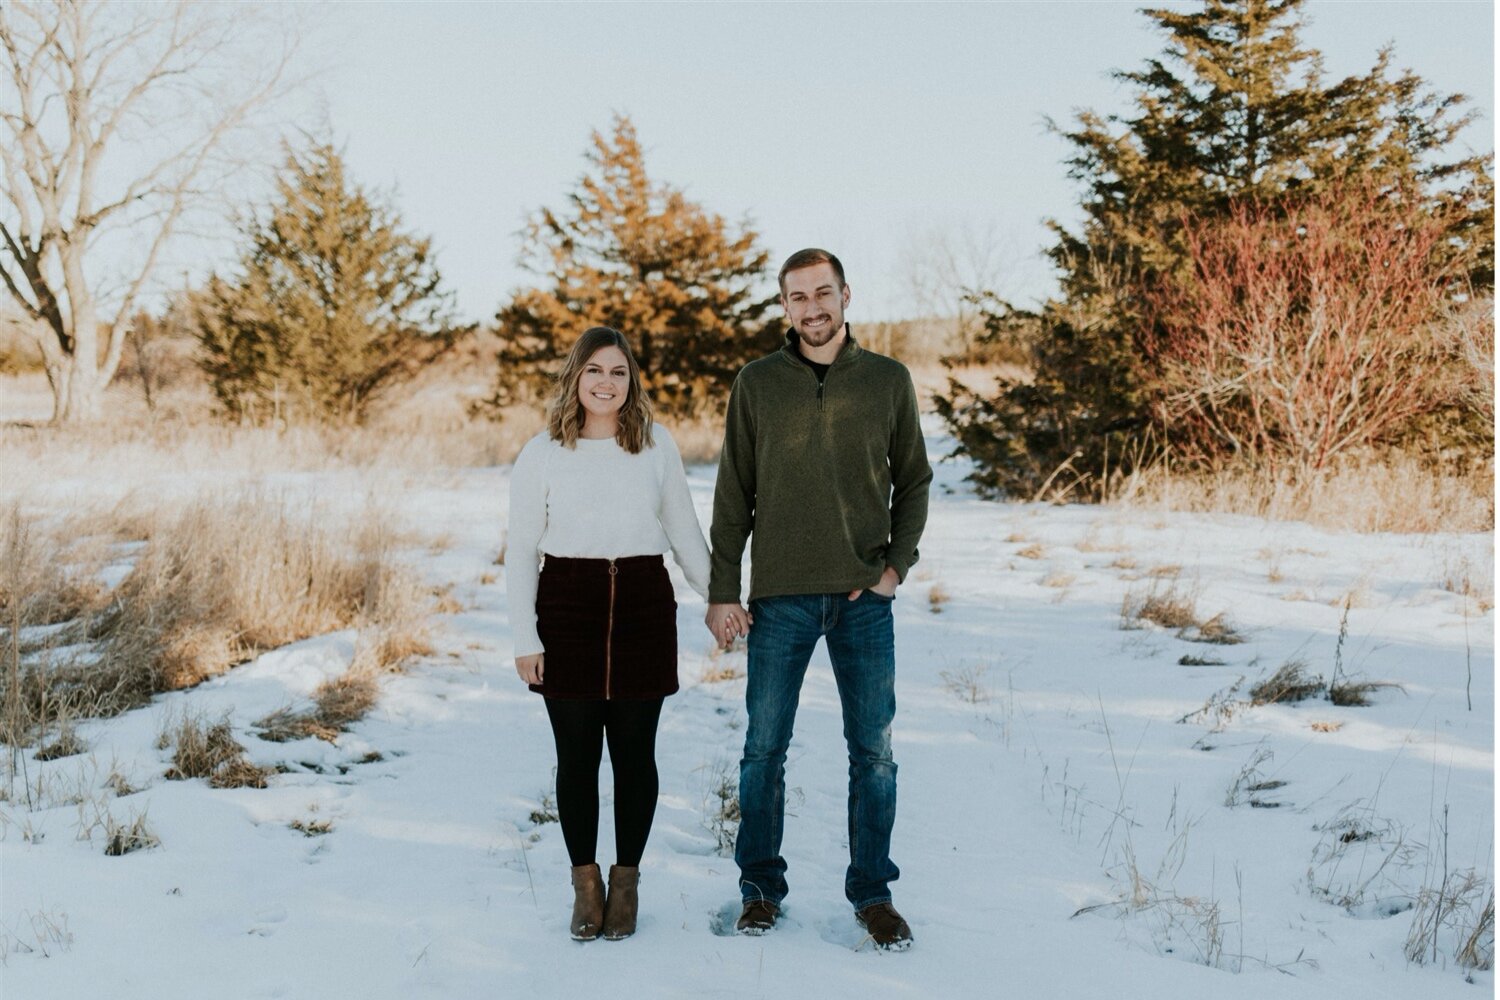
x=596, y=501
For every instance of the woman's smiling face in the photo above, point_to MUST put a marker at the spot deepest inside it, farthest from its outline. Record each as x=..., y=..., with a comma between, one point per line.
x=604, y=383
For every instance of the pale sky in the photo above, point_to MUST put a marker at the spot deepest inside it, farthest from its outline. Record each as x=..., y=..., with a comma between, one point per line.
x=858, y=127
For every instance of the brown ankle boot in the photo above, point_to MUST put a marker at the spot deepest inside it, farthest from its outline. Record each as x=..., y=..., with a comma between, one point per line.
x=623, y=903
x=588, y=903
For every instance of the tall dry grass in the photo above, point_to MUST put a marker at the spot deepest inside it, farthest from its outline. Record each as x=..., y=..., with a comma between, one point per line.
x=210, y=584
x=130, y=453
x=1396, y=493
x=124, y=453
x=699, y=439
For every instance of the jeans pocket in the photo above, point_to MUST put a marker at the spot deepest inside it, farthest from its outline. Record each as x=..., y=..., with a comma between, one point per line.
x=881, y=597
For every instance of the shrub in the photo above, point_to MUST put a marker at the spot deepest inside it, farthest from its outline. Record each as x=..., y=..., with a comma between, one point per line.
x=1304, y=329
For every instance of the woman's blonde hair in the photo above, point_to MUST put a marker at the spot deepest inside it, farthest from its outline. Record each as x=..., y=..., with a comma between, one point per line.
x=565, y=414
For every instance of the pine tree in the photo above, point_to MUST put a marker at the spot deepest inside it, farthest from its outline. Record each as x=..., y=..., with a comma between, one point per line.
x=333, y=302
x=1235, y=110
x=636, y=255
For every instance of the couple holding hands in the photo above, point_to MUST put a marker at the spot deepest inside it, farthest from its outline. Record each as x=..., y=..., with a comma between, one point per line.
x=825, y=472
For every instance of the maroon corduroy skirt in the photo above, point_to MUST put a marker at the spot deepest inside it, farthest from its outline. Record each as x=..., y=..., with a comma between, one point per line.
x=608, y=628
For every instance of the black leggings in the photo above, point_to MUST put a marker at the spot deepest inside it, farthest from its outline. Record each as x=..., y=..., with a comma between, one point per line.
x=579, y=729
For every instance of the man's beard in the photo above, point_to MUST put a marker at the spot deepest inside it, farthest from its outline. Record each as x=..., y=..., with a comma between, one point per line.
x=829, y=332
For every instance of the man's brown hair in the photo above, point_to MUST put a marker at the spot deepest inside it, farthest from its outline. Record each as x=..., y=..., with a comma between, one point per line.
x=807, y=258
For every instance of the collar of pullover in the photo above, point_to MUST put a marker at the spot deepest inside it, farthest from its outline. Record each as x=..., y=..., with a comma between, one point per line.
x=847, y=353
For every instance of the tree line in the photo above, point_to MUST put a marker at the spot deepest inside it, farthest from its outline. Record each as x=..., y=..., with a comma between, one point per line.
x=1272, y=267
x=331, y=300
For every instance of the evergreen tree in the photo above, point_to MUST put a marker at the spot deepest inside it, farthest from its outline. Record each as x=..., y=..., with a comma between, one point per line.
x=1236, y=110
x=636, y=255
x=333, y=302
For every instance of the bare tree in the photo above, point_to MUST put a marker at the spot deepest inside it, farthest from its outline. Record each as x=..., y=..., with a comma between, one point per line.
x=949, y=272
x=114, y=119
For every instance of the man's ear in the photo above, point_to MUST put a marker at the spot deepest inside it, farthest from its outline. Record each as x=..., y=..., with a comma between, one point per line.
x=846, y=296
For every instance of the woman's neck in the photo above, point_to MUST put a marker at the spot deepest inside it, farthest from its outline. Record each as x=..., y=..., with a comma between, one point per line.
x=598, y=428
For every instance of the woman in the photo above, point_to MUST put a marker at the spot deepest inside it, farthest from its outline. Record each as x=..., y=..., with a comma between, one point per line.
x=600, y=496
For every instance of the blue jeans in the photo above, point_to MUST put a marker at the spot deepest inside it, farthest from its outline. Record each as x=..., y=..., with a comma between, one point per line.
x=862, y=645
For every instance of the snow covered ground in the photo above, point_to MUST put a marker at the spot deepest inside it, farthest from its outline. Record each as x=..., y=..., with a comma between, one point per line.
x=1081, y=814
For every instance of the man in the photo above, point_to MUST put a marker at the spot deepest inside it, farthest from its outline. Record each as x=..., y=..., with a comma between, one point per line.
x=824, y=463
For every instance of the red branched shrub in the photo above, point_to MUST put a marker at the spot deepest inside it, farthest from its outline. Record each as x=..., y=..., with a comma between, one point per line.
x=1306, y=329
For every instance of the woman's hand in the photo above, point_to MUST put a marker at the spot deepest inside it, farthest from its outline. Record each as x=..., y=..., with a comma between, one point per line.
x=728, y=622
x=530, y=668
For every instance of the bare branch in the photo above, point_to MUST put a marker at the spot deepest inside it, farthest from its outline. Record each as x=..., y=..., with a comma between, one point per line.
x=80, y=76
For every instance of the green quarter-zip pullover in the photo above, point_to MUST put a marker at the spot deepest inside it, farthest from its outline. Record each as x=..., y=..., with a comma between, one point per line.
x=829, y=480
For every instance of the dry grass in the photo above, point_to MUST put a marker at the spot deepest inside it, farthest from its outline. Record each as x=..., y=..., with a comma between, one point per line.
x=225, y=579
x=137, y=456
x=1217, y=630
x=718, y=673
x=214, y=583
x=210, y=751
x=721, y=805
x=967, y=682
x=1477, y=947
x=1160, y=605
x=1033, y=551
x=546, y=809
x=1290, y=683
x=1396, y=493
x=1463, y=578
x=1456, y=916
x=67, y=744
x=420, y=426
x=1251, y=784
x=337, y=705
x=699, y=440
x=1356, y=693
x=937, y=596
x=1219, y=709
x=1059, y=579
x=127, y=838
x=1090, y=543
x=1359, y=596
x=119, y=784
x=311, y=827
x=45, y=581
x=46, y=577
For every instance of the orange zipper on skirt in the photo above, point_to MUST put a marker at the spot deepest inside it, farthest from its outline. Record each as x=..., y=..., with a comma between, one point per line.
x=609, y=635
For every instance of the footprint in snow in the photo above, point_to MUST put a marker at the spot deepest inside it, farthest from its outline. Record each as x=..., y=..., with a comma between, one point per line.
x=843, y=931
x=267, y=921
x=722, y=921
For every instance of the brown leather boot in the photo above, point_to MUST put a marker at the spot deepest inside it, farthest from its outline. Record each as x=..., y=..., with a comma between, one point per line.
x=588, y=903
x=887, y=929
x=623, y=903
